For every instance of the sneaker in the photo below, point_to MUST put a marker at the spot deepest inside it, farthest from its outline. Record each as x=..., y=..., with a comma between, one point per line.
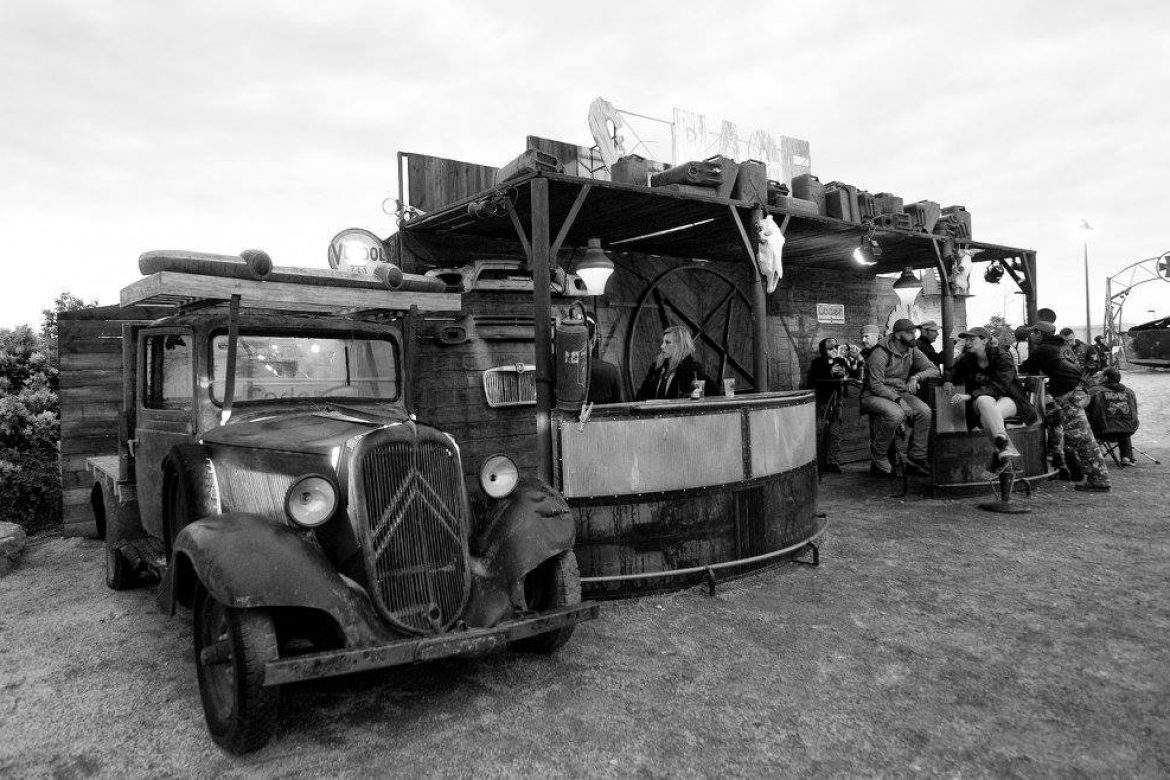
x=1129, y=461
x=1092, y=487
x=1005, y=448
x=877, y=471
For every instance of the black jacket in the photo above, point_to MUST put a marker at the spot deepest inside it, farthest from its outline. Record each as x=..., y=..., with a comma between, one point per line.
x=823, y=378
x=605, y=384
x=678, y=385
x=927, y=348
x=997, y=380
x=1063, y=375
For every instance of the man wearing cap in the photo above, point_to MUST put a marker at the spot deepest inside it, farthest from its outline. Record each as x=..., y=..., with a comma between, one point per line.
x=893, y=370
x=925, y=342
x=1046, y=355
x=605, y=384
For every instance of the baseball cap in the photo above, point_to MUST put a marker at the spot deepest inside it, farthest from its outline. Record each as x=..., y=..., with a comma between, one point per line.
x=931, y=324
x=902, y=325
x=1042, y=326
x=870, y=329
x=980, y=332
x=1022, y=333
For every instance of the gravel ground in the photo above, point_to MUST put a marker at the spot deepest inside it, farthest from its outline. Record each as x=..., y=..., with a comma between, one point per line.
x=933, y=639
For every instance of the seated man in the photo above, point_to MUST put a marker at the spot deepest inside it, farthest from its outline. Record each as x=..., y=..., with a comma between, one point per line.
x=1113, y=414
x=893, y=370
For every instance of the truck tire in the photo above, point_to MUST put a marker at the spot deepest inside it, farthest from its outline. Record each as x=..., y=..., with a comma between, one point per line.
x=231, y=648
x=189, y=489
x=554, y=583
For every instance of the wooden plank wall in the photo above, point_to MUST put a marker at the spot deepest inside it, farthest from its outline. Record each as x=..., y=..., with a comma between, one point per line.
x=89, y=350
x=435, y=182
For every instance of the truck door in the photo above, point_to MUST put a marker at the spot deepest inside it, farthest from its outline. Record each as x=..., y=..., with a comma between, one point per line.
x=165, y=412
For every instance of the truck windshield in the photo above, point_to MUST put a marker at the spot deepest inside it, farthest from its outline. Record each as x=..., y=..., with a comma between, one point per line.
x=272, y=367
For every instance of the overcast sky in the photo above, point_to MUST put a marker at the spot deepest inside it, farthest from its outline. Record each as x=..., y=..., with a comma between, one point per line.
x=218, y=126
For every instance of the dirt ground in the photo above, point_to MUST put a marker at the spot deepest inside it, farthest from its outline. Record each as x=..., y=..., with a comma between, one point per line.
x=933, y=639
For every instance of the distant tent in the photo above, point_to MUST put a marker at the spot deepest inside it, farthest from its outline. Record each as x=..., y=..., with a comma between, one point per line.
x=1149, y=343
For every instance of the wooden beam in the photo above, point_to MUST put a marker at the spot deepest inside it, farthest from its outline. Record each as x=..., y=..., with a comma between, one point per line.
x=570, y=218
x=174, y=289
x=524, y=244
x=542, y=316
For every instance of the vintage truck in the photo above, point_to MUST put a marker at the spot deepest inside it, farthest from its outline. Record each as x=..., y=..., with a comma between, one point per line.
x=273, y=480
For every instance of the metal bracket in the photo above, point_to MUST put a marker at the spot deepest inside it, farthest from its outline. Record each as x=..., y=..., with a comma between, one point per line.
x=816, y=555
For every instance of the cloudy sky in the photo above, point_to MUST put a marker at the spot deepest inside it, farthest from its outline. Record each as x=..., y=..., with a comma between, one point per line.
x=217, y=126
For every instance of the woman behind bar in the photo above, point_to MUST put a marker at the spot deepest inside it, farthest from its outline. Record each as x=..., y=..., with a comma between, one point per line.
x=827, y=375
x=675, y=370
x=988, y=374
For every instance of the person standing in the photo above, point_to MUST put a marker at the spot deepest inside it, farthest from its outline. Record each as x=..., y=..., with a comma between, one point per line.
x=928, y=333
x=826, y=376
x=988, y=376
x=1046, y=355
x=675, y=371
x=605, y=384
x=893, y=370
x=1078, y=351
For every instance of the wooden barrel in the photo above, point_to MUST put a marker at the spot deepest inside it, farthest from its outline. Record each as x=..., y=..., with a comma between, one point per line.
x=957, y=459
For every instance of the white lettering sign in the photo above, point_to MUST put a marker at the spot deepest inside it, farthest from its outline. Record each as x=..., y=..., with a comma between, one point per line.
x=831, y=313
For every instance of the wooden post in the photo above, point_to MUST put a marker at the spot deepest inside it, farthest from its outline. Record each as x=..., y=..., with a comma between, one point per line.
x=1029, y=259
x=542, y=317
x=948, y=304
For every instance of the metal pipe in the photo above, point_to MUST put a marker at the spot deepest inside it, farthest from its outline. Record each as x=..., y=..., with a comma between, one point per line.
x=703, y=569
x=1088, y=321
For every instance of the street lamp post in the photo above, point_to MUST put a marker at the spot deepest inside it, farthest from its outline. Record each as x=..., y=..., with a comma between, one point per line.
x=1086, y=227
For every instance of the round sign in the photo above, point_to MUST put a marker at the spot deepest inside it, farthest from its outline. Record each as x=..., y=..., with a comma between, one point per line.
x=357, y=251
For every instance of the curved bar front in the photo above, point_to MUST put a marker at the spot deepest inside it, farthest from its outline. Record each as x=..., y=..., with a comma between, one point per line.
x=661, y=486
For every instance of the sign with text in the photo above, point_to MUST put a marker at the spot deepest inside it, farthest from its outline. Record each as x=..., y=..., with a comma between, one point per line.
x=831, y=313
x=697, y=137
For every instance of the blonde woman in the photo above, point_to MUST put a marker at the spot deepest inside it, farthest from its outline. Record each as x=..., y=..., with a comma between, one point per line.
x=675, y=370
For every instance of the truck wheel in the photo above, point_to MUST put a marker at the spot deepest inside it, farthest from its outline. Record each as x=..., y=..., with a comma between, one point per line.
x=189, y=489
x=554, y=583
x=231, y=648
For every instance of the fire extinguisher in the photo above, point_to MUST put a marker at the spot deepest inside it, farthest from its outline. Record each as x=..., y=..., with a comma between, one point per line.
x=571, y=353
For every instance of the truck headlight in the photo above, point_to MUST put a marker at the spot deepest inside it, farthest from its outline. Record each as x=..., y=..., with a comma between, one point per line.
x=311, y=501
x=498, y=476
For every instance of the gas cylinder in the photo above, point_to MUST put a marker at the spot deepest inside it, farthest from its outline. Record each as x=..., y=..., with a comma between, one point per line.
x=571, y=355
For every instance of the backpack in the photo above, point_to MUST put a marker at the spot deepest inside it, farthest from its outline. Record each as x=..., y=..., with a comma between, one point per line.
x=1113, y=413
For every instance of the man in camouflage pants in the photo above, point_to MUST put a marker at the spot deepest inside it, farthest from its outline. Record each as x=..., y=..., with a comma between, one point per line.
x=1064, y=386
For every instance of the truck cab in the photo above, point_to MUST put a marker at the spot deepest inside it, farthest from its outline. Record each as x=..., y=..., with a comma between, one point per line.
x=285, y=493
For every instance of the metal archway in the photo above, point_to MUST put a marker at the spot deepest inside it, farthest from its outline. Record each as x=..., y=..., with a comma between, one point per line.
x=1151, y=269
x=728, y=293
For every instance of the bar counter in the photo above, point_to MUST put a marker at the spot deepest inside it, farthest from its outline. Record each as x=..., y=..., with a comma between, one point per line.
x=661, y=486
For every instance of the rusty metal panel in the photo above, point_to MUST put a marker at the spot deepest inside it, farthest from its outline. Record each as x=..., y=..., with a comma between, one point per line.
x=782, y=438
x=627, y=456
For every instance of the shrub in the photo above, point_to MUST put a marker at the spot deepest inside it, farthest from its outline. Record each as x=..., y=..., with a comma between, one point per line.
x=30, y=485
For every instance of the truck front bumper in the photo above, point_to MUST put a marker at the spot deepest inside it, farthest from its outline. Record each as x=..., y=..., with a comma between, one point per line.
x=408, y=651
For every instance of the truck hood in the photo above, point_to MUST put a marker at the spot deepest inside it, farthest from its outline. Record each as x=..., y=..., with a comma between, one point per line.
x=316, y=432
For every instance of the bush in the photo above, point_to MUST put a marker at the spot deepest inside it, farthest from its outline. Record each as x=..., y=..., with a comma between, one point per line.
x=30, y=484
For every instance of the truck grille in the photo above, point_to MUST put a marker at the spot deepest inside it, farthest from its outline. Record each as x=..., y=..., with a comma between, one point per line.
x=417, y=533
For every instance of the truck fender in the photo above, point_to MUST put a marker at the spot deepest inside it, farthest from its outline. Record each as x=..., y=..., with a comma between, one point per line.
x=527, y=528
x=246, y=561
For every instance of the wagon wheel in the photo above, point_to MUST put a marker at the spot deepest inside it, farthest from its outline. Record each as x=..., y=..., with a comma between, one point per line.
x=710, y=325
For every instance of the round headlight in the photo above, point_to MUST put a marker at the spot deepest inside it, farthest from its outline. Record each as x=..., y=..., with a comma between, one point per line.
x=311, y=501
x=498, y=476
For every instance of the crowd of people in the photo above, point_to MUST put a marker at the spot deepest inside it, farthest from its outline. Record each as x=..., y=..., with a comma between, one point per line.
x=1086, y=401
